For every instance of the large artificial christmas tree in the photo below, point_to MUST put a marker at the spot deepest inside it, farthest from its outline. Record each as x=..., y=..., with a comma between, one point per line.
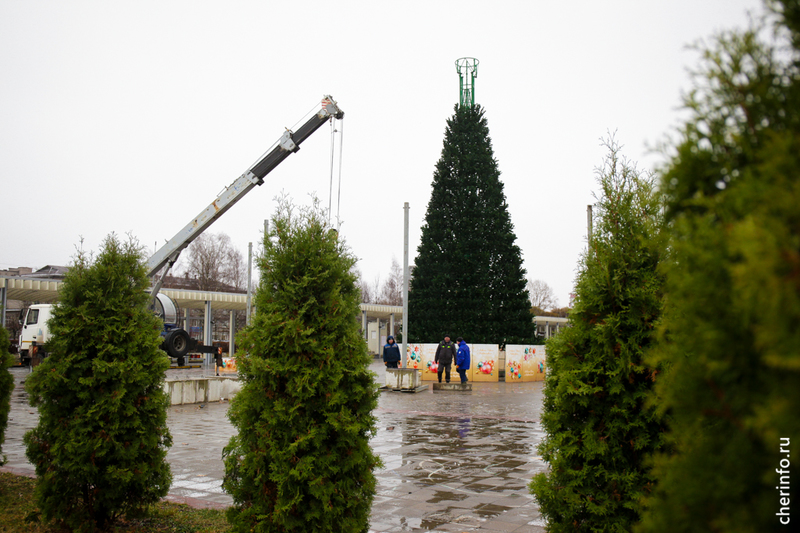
x=301, y=460
x=101, y=442
x=600, y=433
x=468, y=278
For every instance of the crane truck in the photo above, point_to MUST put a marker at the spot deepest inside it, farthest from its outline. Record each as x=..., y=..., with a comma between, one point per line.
x=177, y=341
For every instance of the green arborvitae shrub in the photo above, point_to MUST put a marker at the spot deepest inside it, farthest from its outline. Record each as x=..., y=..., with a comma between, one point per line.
x=599, y=432
x=468, y=277
x=101, y=442
x=731, y=331
x=301, y=461
x=6, y=384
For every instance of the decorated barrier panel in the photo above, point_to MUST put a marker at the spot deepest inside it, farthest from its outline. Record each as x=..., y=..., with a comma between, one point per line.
x=485, y=362
x=525, y=362
x=230, y=365
x=420, y=356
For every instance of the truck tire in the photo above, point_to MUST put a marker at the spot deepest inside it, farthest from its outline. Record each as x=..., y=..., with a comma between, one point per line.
x=177, y=342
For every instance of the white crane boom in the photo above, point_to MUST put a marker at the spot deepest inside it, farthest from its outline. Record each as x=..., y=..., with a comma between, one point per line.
x=288, y=144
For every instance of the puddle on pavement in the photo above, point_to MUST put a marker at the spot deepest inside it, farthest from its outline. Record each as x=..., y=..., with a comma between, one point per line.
x=407, y=523
x=445, y=496
x=490, y=510
x=433, y=521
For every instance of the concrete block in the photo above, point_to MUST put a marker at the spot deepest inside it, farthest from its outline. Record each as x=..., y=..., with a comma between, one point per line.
x=456, y=387
x=229, y=388
x=403, y=378
x=189, y=392
x=214, y=390
x=174, y=390
x=201, y=390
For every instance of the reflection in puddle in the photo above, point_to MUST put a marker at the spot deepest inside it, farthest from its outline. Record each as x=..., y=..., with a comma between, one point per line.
x=461, y=466
x=444, y=496
x=490, y=511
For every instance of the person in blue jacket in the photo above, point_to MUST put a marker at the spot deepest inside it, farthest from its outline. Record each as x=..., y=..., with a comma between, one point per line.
x=462, y=359
x=391, y=353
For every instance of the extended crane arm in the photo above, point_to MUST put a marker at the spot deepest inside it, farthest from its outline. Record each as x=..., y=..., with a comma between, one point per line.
x=288, y=144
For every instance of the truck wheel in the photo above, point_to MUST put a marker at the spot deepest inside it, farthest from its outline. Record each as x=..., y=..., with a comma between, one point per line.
x=177, y=342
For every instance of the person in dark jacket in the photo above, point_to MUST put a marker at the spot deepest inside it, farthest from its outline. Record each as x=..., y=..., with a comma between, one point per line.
x=445, y=353
x=462, y=359
x=391, y=353
x=218, y=363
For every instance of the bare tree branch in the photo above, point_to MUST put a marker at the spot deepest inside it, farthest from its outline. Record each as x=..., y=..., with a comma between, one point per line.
x=392, y=290
x=215, y=263
x=541, y=295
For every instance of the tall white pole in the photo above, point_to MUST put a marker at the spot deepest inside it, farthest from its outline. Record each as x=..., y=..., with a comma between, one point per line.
x=405, y=286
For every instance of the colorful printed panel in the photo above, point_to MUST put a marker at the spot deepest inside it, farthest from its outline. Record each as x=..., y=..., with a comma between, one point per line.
x=230, y=364
x=515, y=357
x=534, y=361
x=485, y=366
x=420, y=356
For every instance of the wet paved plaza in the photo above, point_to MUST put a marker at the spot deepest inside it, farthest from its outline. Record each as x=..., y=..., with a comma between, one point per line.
x=452, y=461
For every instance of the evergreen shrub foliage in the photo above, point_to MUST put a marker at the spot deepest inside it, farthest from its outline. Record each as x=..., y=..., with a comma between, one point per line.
x=6, y=384
x=101, y=442
x=599, y=433
x=468, y=278
x=730, y=329
x=301, y=460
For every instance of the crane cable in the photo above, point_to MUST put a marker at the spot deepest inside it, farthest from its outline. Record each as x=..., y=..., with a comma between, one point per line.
x=339, y=198
x=330, y=189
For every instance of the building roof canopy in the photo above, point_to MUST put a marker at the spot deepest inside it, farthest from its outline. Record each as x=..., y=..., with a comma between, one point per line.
x=46, y=291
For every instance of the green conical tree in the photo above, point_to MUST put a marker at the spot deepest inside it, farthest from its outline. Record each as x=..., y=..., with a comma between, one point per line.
x=468, y=278
x=6, y=384
x=599, y=433
x=301, y=460
x=730, y=329
x=101, y=442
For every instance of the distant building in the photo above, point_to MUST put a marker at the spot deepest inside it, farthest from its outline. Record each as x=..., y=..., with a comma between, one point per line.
x=49, y=272
x=16, y=272
x=548, y=326
x=193, y=284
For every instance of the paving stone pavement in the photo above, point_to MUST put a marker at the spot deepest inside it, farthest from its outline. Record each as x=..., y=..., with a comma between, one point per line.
x=452, y=461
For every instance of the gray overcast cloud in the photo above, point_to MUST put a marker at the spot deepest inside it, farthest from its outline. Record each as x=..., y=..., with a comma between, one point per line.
x=133, y=116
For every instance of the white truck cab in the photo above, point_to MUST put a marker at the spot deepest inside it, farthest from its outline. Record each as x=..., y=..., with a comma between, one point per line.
x=34, y=329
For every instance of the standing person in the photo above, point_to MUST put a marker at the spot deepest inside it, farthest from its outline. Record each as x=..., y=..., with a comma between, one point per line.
x=445, y=354
x=218, y=363
x=391, y=353
x=462, y=359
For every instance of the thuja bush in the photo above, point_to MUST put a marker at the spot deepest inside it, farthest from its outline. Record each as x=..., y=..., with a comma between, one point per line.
x=101, y=442
x=6, y=385
x=600, y=433
x=730, y=327
x=301, y=460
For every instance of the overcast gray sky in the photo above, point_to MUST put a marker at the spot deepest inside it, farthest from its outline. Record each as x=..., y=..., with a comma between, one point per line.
x=133, y=116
